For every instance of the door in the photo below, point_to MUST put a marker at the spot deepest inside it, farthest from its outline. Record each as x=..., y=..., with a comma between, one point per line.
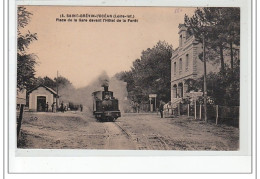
x=41, y=103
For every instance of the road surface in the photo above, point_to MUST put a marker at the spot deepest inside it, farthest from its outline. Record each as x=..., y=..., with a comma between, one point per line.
x=80, y=130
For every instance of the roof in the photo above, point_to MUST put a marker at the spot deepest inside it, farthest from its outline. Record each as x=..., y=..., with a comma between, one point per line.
x=47, y=88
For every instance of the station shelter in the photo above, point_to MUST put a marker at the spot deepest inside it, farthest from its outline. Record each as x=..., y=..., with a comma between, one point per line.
x=39, y=96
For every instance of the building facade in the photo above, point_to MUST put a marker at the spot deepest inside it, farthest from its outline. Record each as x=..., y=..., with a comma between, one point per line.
x=185, y=63
x=39, y=96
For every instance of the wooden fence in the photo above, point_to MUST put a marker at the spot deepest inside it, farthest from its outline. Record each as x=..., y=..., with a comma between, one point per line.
x=215, y=113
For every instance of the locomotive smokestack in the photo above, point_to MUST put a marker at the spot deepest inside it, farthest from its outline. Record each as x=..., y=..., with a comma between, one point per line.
x=105, y=88
x=104, y=81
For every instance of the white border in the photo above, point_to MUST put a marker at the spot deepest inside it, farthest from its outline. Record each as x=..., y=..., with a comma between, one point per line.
x=90, y=161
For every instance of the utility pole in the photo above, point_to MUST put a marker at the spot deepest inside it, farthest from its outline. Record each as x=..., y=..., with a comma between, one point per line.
x=205, y=82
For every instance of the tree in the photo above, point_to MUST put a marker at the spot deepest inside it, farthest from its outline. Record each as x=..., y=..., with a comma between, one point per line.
x=150, y=74
x=65, y=88
x=220, y=28
x=210, y=27
x=46, y=81
x=232, y=23
x=223, y=88
x=62, y=82
x=25, y=62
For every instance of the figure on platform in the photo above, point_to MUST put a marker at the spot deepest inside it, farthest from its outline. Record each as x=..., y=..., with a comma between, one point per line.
x=81, y=107
x=161, y=108
x=53, y=107
x=61, y=107
x=47, y=107
x=167, y=109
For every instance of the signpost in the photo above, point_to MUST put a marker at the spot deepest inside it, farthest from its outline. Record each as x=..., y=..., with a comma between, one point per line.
x=151, y=96
x=21, y=101
x=194, y=96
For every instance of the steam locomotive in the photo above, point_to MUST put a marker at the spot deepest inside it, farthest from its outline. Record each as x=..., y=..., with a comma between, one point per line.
x=105, y=105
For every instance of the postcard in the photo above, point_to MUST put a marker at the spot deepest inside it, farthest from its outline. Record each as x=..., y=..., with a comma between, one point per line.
x=130, y=81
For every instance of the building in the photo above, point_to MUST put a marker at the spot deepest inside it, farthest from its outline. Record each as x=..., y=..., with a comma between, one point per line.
x=185, y=63
x=20, y=98
x=39, y=96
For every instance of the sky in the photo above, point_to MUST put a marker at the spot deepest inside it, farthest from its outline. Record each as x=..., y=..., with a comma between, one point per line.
x=81, y=51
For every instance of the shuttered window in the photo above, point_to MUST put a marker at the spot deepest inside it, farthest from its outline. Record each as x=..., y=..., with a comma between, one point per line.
x=187, y=62
x=180, y=65
x=174, y=68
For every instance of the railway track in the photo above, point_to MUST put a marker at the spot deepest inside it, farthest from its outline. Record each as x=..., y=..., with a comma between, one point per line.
x=158, y=142
x=107, y=144
x=145, y=142
x=129, y=136
x=124, y=131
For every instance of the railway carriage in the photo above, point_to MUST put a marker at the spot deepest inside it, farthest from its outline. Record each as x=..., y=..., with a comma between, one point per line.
x=105, y=105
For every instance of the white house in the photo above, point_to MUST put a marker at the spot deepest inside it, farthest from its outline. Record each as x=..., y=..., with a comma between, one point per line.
x=185, y=63
x=39, y=96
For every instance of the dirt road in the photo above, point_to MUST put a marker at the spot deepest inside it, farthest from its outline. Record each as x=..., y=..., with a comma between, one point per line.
x=77, y=130
x=180, y=133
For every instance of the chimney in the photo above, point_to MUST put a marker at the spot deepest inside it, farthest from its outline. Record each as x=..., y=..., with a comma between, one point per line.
x=182, y=34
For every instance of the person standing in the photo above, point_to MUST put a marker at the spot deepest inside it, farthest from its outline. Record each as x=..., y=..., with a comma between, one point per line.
x=47, y=107
x=62, y=107
x=138, y=107
x=81, y=107
x=52, y=106
x=55, y=107
x=161, y=108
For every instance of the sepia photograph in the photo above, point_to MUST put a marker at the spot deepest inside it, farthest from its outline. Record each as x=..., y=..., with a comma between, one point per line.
x=128, y=78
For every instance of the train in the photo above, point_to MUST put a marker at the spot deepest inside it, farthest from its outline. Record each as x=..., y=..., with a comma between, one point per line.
x=105, y=105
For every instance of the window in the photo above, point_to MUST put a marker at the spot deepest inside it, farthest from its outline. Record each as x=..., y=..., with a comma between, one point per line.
x=187, y=62
x=180, y=41
x=174, y=68
x=180, y=65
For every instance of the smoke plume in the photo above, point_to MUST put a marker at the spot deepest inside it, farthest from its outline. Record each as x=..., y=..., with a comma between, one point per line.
x=84, y=95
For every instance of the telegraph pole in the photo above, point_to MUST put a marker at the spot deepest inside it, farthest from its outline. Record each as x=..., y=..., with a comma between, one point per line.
x=205, y=82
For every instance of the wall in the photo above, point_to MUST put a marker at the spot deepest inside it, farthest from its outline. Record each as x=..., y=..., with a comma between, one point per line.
x=181, y=52
x=41, y=91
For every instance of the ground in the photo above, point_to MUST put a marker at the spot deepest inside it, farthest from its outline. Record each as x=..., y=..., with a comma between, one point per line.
x=80, y=130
